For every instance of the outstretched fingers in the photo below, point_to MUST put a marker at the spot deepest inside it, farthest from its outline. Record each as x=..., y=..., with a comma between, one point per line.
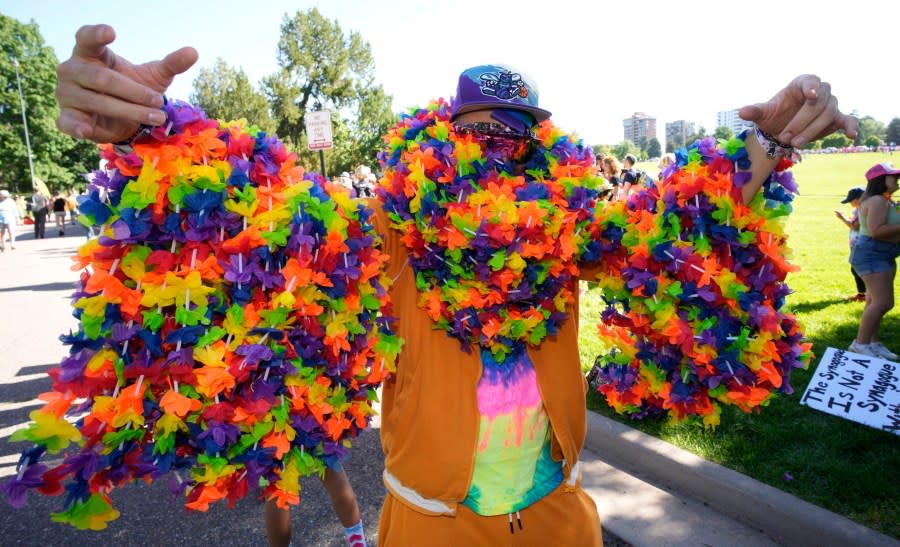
x=76, y=73
x=91, y=42
x=75, y=123
x=84, y=126
x=815, y=101
x=108, y=105
x=177, y=63
x=813, y=122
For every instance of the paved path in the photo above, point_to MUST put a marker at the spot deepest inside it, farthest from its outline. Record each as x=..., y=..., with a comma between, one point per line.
x=35, y=284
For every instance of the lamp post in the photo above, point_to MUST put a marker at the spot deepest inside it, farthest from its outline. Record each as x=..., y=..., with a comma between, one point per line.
x=15, y=62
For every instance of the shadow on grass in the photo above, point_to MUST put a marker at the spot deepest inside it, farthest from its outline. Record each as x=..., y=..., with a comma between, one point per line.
x=806, y=307
x=842, y=334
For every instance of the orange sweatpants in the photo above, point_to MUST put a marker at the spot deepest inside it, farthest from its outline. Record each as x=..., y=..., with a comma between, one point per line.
x=567, y=516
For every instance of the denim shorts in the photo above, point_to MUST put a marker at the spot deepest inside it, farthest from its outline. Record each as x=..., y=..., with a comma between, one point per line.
x=871, y=256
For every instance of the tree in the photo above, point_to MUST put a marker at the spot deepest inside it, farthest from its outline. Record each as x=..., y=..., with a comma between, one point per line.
x=872, y=141
x=322, y=68
x=604, y=149
x=654, y=149
x=869, y=126
x=836, y=140
x=643, y=143
x=701, y=133
x=813, y=145
x=723, y=133
x=58, y=159
x=225, y=93
x=892, y=135
x=623, y=148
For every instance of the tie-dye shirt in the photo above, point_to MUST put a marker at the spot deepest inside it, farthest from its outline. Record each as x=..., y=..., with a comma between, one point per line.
x=513, y=467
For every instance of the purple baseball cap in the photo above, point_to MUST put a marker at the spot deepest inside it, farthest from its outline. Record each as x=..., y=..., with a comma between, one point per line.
x=496, y=86
x=881, y=169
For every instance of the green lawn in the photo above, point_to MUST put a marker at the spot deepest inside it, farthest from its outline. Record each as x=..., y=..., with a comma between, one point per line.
x=840, y=465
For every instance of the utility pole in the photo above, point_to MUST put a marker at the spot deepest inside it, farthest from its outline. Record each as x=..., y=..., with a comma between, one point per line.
x=24, y=121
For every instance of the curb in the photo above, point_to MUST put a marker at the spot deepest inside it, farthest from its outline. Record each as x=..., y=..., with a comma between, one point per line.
x=785, y=518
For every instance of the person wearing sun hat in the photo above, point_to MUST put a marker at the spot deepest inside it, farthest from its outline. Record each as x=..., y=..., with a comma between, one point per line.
x=874, y=257
x=852, y=222
x=484, y=209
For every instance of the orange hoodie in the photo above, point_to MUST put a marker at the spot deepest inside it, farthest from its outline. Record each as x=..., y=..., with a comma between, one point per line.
x=429, y=410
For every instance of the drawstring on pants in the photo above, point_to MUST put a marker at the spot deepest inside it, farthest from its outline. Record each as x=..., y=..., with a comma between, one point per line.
x=512, y=530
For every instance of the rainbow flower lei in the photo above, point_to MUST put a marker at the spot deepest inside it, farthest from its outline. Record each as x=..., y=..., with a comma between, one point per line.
x=495, y=253
x=233, y=327
x=694, y=281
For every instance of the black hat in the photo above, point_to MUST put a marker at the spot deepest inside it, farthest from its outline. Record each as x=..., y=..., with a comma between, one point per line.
x=854, y=193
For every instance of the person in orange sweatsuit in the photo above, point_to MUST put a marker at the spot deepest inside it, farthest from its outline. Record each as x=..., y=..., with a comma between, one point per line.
x=482, y=424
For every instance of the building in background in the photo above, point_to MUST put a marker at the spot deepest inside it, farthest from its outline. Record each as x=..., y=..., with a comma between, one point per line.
x=678, y=131
x=639, y=128
x=731, y=120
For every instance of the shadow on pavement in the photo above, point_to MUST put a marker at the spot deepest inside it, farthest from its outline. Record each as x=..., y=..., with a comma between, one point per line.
x=59, y=286
x=17, y=400
x=151, y=517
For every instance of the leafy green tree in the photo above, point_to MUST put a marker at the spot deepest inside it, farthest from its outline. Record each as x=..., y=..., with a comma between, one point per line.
x=869, y=126
x=654, y=148
x=813, y=145
x=872, y=140
x=225, y=93
x=58, y=159
x=623, y=148
x=642, y=144
x=892, y=135
x=322, y=68
x=604, y=149
x=723, y=132
x=836, y=140
x=698, y=135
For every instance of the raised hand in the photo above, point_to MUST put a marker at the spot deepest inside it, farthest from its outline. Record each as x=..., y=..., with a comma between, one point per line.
x=802, y=112
x=105, y=98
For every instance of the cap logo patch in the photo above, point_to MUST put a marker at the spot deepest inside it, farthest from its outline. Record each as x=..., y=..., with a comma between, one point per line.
x=503, y=85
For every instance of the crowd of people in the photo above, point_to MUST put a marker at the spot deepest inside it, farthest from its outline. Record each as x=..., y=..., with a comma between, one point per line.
x=34, y=210
x=625, y=178
x=361, y=183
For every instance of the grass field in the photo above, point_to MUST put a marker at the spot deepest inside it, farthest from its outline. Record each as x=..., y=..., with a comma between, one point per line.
x=843, y=466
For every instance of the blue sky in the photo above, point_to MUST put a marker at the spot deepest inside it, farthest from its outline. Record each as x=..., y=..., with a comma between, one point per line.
x=596, y=62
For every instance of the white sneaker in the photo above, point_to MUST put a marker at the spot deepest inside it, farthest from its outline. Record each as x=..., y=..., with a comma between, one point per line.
x=883, y=351
x=863, y=349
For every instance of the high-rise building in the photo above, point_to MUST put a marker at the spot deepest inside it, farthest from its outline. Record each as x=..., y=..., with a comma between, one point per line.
x=678, y=131
x=639, y=126
x=731, y=120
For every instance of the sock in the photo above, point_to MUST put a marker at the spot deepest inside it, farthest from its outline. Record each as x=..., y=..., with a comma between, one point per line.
x=355, y=535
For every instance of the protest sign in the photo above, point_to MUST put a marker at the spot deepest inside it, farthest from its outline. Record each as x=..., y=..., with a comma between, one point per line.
x=857, y=387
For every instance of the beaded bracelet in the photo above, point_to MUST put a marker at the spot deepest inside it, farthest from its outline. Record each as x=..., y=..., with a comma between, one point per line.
x=771, y=145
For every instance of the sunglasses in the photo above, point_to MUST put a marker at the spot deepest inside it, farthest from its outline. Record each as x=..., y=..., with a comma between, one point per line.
x=493, y=129
x=496, y=136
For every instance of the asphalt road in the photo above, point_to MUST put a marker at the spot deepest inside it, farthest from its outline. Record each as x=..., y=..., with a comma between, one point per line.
x=35, y=284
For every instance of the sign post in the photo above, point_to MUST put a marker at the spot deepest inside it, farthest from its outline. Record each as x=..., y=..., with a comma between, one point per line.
x=318, y=134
